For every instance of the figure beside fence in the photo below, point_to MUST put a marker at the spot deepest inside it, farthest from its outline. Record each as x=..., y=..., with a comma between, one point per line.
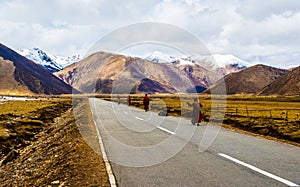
x=196, y=115
x=129, y=100
x=146, y=102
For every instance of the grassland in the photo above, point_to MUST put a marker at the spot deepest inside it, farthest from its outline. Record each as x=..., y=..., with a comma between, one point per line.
x=25, y=107
x=269, y=116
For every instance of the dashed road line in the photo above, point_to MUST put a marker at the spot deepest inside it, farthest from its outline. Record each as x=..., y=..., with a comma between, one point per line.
x=289, y=183
x=166, y=130
x=139, y=118
x=125, y=112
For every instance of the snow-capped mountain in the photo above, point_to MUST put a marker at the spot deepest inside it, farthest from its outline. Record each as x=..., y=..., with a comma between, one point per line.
x=219, y=61
x=159, y=57
x=51, y=62
x=222, y=63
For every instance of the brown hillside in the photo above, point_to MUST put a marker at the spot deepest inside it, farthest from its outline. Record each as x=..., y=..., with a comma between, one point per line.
x=247, y=81
x=21, y=76
x=104, y=72
x=286, y=85
x=9, y=86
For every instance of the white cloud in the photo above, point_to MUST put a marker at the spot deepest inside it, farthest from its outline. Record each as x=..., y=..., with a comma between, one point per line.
x=259, y=10
x=251, y=29
x=68, y=26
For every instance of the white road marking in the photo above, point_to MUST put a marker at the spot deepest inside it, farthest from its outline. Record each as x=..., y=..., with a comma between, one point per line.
x=125, y=112
x=166, y=130
x=111, y=177
x=289, y=183
x=139, y=118
x=163, y=129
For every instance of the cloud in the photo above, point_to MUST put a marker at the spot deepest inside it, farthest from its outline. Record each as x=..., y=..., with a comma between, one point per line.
x=259, y=10
x=68, y=26
x=250, y=29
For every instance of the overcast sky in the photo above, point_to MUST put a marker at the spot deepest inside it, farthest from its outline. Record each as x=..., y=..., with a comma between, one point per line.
x=266, y=31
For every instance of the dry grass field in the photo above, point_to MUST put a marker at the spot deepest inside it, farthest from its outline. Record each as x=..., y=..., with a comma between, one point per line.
x=40, y=144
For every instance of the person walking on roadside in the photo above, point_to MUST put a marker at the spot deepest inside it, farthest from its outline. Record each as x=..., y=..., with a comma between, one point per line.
x=119, y=100
x=197, y=115
x=129, y=100
x=146, y=102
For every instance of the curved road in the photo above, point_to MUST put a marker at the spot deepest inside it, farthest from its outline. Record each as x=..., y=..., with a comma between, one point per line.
x=145, y=149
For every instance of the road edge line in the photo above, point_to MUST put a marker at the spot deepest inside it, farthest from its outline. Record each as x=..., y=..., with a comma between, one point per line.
x=111, y=177
x=282, y=180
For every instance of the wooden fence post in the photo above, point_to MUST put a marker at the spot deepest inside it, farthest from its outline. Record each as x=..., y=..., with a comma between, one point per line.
x=270, y=113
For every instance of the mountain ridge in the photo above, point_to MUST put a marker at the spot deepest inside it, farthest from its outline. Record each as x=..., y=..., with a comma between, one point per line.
x=49, y=61
x=247, y=81
x=224, y=64
x=105, y=72
x=27, y=76
x=286, y=85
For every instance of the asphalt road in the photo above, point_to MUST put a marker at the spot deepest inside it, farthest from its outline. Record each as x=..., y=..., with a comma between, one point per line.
x=145, y=149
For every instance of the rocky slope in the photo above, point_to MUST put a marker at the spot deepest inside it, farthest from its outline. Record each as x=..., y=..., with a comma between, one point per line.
x=247, y=81
x=18, y=76
x=286, y=85
x=112, y=73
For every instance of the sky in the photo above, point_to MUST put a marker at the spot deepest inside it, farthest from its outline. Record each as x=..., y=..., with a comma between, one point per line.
x=257, y=31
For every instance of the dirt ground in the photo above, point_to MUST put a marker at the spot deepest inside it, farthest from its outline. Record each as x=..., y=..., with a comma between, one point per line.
x=43, y=146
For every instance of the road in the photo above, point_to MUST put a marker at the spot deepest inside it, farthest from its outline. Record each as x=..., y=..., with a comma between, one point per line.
x=145, y=149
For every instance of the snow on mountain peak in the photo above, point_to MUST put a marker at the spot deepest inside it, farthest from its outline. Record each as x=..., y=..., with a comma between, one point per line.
x=224, y=64
x=223, y=60
x=220, y=61
x=213, y=61
x=159, y=57
x=51, y=62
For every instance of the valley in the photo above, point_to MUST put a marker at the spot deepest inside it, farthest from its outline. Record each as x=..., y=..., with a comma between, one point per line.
x=48, y=134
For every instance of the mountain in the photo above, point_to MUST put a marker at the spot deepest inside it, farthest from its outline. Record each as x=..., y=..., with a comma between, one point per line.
x=159, y=57
x=224, y=64
x=247, y=81
x=21, y=76
x=104, y=72
x=51, y=62
x=286, y=85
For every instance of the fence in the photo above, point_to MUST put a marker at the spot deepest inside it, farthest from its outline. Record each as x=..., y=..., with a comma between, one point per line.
x=287, y=115
x=173, y=107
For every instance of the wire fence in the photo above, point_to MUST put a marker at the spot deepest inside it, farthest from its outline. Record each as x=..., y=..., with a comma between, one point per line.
x=176, y=109
x=287, y=115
